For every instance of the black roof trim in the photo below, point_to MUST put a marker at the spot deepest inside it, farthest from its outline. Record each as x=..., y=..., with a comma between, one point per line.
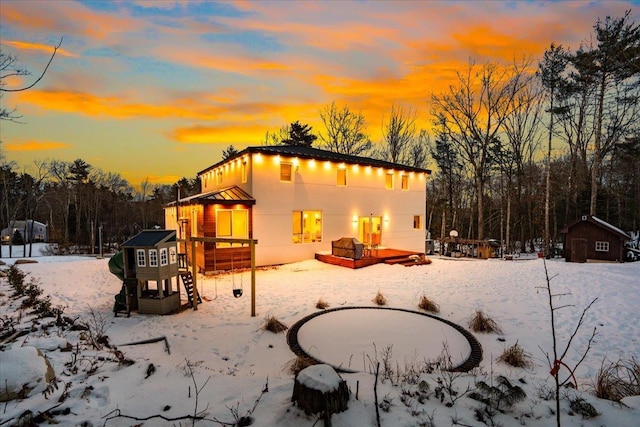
x=305, y=152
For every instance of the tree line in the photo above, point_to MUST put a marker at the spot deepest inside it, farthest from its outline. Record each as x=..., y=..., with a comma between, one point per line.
x=518, y=151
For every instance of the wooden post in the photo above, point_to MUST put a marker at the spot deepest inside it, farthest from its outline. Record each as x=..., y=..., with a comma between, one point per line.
x=194, y=273
x=252, y=245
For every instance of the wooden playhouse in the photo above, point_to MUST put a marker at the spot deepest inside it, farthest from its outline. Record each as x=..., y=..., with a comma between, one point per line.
x=151, y=258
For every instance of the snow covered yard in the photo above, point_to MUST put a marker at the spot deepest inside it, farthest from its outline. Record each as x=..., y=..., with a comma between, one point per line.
x=223, y=352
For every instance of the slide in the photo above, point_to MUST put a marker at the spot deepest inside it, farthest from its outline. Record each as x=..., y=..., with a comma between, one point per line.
x=116, y=265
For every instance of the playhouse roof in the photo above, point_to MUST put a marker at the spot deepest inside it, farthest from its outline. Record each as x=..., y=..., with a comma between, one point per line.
x=305, y=152
x=598, y=222
x=150, y=238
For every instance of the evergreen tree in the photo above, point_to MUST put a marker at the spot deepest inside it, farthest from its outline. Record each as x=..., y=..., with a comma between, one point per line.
x=299, y=135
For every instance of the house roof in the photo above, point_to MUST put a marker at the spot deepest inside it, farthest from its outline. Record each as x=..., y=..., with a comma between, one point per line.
x=598, y=222
x=305, y=152
x=150, y=238
x=224, y=196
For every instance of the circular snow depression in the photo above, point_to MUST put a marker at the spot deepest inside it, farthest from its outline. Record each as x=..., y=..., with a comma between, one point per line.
x=353, y=339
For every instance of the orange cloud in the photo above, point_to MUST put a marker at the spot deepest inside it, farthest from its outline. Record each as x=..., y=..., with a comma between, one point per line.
x=22, y=45
x=221, y=134
x=35, y=146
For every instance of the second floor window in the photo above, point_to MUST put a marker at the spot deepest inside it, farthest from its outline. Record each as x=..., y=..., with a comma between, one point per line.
x=342, y=177
x=286, y=174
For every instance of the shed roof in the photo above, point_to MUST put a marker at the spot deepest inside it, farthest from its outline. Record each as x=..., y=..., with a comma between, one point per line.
x=224, y=196
x=150, y=238
x=598, y=222
x=306, y=152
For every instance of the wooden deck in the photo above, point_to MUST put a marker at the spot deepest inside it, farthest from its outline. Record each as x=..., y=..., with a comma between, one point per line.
x=377, y=256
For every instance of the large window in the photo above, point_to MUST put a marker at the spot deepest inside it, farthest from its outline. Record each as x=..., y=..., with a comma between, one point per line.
x=286, y=172
x=232, y=224
x=307, y=226
x=342, y=177
x=602, y=246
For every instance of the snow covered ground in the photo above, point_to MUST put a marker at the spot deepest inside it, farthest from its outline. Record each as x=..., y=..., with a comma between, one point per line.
x=223, y=353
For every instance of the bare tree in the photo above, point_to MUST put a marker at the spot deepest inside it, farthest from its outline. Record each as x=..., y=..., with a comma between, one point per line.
x=9, y=67
x=471, y=115
x=399, y=136
x=345, y=131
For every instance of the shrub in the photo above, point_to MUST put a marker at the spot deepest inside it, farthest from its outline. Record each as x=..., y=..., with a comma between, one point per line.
x=322, y=304
x=428, y=305
x=480, y=322
x=298, y=364
x=272, y=324
x=582, y=407
x=616, y=380
x=15, y=278
x=516, y=356
x=380, y=299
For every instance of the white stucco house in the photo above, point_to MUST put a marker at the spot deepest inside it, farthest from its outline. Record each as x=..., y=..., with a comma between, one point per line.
x=295, y=200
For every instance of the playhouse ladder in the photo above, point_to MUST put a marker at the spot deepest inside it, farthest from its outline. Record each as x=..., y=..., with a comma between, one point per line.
x=187, y=279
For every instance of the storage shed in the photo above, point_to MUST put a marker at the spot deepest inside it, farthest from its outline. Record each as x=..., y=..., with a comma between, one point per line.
x=591, y=239
x=151, y=257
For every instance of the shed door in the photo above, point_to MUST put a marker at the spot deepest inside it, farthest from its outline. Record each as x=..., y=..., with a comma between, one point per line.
x=578, y=250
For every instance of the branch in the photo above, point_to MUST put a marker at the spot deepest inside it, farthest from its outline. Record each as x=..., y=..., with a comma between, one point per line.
x=55, y=49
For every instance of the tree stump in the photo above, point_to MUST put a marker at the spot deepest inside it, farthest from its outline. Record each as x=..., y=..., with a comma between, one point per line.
x=318, y=389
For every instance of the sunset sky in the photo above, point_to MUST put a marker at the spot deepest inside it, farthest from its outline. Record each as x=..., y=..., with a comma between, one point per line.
x=157, y=89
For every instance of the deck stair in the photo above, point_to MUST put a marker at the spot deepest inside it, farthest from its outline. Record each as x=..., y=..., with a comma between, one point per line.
x=408, y=261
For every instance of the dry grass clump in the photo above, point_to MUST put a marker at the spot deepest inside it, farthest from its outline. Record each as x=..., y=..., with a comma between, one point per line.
x=322, y=304
x=428, y=305
x=380, y=299
x=298, y=364
x=272, y=324
x=480, y=322
x=616, y=380
x=516, y=356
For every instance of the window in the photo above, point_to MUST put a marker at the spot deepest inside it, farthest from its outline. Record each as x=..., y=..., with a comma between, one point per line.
x=602, y=246
x=163, y=257
x=244, y=172
x=173, y=257
x=153, y=257
x=232, y=224
x=417, y=222
x=141, y=260
x=219, y=177
x=285, y=172
x=342, y=177
x=307, y=226
x=405, y=182
x=388, y=181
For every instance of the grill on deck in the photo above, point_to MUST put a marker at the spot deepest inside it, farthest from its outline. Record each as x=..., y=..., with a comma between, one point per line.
x=347, y=247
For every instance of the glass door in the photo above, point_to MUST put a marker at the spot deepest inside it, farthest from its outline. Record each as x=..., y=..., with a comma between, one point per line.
x=370, y=230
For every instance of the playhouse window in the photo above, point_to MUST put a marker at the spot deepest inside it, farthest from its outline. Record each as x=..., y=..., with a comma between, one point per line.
x=163, y=257
x=173, y=256
x=342, y=177
x=307, y=226
x=602, y=246
x=153, y=257
x=232, y=224
x=285, y=172
x=405, y=182
x=141, y=259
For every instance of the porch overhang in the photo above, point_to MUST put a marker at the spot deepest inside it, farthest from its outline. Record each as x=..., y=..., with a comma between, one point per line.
x=225, y=196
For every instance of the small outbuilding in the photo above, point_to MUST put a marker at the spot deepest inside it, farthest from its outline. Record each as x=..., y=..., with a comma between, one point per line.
x=151, y=257
x=591, y=239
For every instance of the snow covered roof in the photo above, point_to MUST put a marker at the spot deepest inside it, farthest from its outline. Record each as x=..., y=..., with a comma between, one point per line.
x=601, y=223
